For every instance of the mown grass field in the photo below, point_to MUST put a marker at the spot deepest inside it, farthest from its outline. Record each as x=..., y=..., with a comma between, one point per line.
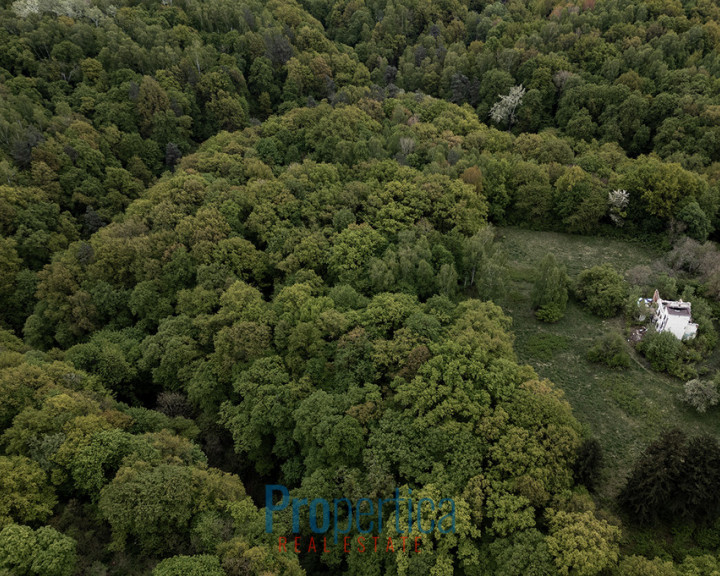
x=624, y=408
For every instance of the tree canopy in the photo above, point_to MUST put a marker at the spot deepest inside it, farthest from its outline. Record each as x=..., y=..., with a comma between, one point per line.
x=256, y=243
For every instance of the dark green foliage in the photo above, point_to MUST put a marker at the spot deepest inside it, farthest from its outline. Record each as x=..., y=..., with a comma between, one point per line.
x=611, y=350
x=272, y=222
x=525, y=553
x=155, y=505
x=112, y=356
x=676, y=478
x=588, y=463
x=698, y=224
x=580, y=200
x=550, y=291
x=602, y=290
x=667, y=354
x=704, y=316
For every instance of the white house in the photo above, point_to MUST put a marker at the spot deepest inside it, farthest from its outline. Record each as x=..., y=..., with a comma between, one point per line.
x=674, y=316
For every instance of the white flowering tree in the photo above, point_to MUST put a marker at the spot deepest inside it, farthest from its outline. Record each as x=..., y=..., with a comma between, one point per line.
x=617, y=202
x=70, y=8
x=504, y=109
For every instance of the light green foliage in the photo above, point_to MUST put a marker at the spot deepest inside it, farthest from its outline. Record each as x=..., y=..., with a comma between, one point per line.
x=95, y=463
x=18, y=386
x=386, y=312
x=581, y=544
x=39, y=431
x=483, y=264
x=662, y=186
x=699, y=565
x=55, y=553
x=25, y=495
x=640, y=566
x=204, y=565
x=25, y=385
x=509, y=514
x=352, y=251
x=41, y=552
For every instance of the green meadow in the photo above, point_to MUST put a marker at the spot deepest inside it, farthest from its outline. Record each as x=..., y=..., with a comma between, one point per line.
x=625, y=408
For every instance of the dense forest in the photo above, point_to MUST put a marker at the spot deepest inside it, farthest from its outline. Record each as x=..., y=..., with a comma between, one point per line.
x=256, y=243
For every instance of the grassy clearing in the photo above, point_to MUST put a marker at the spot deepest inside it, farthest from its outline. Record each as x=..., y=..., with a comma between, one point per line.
x=624, y=408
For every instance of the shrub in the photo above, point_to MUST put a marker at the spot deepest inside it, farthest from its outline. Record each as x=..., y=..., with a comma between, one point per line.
x=696, y=223
x=702, y=314
x=610, y=350
x=550, y=313
x=550, y=292
x=701, y=394
x=666, y=354
x=636, y=310
x=602, y=290
x=691, y=256
x=666, y=285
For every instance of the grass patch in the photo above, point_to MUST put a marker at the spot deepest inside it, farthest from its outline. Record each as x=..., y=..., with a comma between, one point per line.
x=629, y=399
x=544, y=345
x=525, y=248
x=625, y=408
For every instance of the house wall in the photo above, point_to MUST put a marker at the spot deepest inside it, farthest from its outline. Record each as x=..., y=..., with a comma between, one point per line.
x=679, y=326
x=676, y=325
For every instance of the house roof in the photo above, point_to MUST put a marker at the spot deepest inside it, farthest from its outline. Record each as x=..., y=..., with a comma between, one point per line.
x=678, y=307
x=678, y=311
x=681, y=326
